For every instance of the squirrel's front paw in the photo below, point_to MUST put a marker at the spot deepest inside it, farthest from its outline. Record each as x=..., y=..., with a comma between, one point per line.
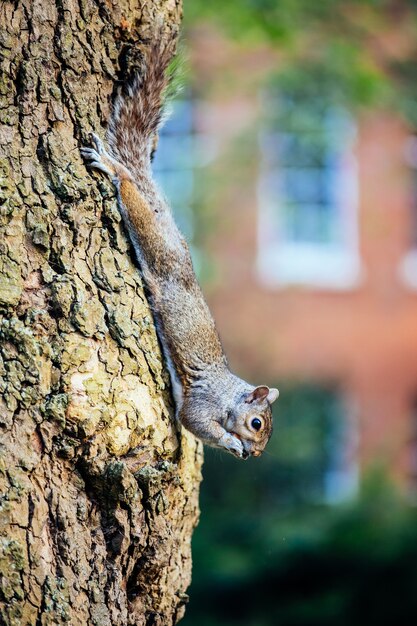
x=233, y=445
x=98, y=158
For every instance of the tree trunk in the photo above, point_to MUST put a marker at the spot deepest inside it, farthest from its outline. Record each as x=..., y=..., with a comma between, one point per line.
x=99, y=487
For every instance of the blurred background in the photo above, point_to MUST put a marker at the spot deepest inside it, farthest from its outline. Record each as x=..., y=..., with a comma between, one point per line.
x=290, y=160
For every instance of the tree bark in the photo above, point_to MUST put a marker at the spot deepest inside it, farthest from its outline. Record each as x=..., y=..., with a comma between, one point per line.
x=99, y=489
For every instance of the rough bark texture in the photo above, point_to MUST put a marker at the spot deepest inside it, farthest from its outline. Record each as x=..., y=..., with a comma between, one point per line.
x=98, y=488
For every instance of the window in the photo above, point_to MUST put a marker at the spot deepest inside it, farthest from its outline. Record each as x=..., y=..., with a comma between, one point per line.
x=308, y=194
x=412, y=452
x=341, y=476
x=174, y=163
x=317, y=444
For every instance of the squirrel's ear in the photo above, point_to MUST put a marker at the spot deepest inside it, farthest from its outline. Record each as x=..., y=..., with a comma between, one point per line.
x=258, y=394
x=262, y=393
x=272, y=395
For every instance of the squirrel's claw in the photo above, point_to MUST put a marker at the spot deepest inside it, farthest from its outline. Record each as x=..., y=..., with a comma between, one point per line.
x=95, y=159
x=98, y=143
x=89, y=152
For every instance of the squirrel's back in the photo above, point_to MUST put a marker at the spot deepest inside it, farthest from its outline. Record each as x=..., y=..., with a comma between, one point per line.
x=137, y=113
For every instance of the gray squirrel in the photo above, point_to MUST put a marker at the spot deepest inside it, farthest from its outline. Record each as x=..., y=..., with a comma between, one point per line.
x=215, y=405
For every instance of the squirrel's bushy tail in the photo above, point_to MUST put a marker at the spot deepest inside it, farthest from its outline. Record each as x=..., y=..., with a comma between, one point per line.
x=137, y=113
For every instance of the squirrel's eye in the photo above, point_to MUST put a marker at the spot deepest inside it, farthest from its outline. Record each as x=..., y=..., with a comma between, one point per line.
x=256, y=423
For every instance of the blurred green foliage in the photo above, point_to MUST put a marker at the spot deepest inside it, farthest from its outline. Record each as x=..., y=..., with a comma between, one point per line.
x=361, y=569
x=343, y=45
x=317, y=566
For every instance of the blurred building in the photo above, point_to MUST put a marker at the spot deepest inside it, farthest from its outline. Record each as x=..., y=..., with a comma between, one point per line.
x=308, y=216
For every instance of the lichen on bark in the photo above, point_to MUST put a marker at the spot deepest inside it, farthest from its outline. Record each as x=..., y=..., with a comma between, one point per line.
x=98, y=485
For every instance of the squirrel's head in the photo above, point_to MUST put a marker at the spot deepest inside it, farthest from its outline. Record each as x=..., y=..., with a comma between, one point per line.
x=251, y=419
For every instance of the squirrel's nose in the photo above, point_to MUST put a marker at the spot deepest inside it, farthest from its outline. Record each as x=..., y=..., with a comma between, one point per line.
x=256, y=453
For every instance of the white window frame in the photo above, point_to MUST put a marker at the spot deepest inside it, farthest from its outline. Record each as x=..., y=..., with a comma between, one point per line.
x=342, y=477
x=407, y=269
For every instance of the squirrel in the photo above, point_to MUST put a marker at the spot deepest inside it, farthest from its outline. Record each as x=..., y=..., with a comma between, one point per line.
x=215, y=405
